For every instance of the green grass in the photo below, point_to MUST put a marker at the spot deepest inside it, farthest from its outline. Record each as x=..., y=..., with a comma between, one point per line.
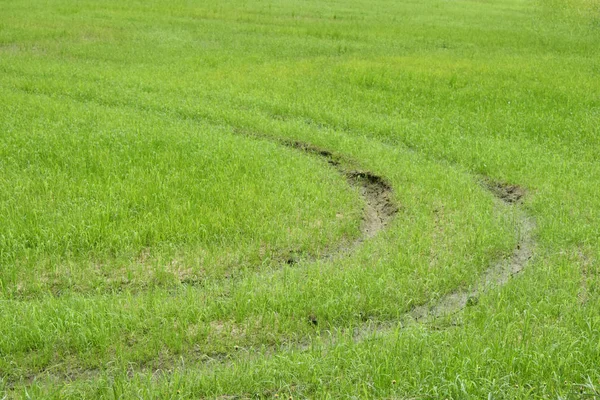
x=99, y=193
x=148, y=205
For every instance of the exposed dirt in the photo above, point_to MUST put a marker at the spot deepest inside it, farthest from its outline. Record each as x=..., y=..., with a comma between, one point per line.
x=510, y=194
x=380, y=210
x=498, y=274
x=377, y=194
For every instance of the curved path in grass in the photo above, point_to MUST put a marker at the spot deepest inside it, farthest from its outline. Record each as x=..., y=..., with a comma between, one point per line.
x=379, y=206
x=380, y=209
x=378, y=212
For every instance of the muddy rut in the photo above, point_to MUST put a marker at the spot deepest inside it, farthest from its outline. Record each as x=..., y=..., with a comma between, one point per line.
x=497, y=275
x=499, y=272
x=378, y=212
x=379, y=206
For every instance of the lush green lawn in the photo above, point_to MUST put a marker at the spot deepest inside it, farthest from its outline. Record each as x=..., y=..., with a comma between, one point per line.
x=158, y=239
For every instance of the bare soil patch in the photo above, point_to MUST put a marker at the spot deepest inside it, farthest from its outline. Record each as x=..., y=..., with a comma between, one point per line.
x=508, y=193
x=379, y=209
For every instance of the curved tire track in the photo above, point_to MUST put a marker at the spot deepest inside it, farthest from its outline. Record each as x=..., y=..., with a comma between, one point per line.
x=379, y=210
x=497, y=275
x=379, y=205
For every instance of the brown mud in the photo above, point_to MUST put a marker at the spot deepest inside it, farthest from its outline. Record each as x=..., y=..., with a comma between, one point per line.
x=378, y=197
x=379, y=211
x=497, y=275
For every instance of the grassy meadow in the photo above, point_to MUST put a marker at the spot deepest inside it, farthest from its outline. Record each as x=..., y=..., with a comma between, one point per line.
x=159, y=238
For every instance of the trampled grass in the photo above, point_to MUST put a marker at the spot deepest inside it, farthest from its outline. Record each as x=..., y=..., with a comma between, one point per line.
x=159, y=238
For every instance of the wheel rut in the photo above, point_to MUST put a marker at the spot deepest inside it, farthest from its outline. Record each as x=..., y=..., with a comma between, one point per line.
x=378, y=212
x=377, y=194
x=495, y=276
x=500, y=271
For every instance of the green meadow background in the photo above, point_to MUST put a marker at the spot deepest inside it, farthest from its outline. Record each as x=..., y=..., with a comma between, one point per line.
x=149, y=212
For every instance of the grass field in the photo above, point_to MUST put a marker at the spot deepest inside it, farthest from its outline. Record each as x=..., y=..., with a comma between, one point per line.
x=300, y=199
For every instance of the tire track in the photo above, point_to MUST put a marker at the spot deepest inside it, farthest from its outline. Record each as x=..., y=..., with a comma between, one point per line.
x=378, y=212
x=497, y=275
x=379, y=206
